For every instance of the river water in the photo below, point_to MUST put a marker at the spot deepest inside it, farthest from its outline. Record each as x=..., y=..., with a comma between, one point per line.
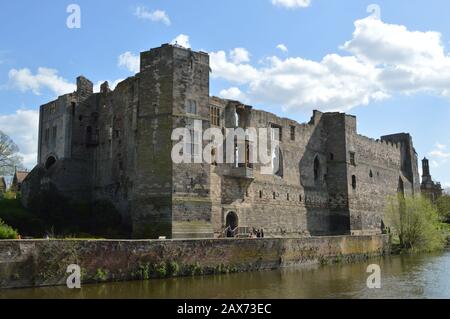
x=421, y=276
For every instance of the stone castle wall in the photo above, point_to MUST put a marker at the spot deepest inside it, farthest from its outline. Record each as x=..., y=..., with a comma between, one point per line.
x=44, y=263
x=116, y=145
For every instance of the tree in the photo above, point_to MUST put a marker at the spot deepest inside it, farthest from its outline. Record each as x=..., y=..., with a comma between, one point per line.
x=9, y=157
x=416, y=223
x=443, y=206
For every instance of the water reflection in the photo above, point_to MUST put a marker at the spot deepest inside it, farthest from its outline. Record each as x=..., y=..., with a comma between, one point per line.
x=424, y=276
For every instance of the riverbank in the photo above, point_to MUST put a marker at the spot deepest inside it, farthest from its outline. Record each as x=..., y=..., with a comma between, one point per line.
x=38, y=263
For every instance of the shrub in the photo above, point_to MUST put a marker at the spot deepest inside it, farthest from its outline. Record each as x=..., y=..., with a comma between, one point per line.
x=416, y=224
x=6, y=232
x=443, y=206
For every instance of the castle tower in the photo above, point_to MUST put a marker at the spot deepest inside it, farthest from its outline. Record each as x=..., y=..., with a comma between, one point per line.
x=426, y=176
x=429, y=188
x=172, y=200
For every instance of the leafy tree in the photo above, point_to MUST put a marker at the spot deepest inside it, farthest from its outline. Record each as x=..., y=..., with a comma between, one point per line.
x=443, y=206
x=416, y=223
x=9, y=157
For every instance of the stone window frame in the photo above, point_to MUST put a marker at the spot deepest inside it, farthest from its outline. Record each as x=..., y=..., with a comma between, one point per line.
x=191, y=107
x=293, y=132
x=215, y=115
x=352, y=158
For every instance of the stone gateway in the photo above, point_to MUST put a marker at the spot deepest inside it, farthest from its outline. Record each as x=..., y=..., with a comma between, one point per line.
x=116, y=145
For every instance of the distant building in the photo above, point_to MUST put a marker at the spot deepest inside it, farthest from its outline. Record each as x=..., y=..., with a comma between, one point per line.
x=429, y=188
x=19, y=177
x=2, y=186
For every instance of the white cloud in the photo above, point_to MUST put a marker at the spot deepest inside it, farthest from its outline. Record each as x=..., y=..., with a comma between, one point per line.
x=25, y=80
x=129, y=61
x=383, y=60
x=239, y=55
x=222, y=67
x=282, y=48
x=439, y=155
x=182, y=40
x=233, y=93
x=23, y=127
x=292, y=3
x=155, y=16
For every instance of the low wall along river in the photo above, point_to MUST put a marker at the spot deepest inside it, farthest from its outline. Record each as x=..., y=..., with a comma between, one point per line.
x=37, y=263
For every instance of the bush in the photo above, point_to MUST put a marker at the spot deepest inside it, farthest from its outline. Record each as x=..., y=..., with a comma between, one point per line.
x=6, y=232
x=416, y=224
x=443, y=206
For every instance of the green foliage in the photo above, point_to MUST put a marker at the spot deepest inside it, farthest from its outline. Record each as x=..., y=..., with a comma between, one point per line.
x=101, y=275
x=416, y=224
x=12, y=212
x=6, y=232
x=173, y=268
x=70, y=218
x=443, y=206
x=53, y=215
x=161, y=270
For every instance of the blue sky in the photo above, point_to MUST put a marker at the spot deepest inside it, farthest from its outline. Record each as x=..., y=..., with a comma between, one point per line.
x=284, y=56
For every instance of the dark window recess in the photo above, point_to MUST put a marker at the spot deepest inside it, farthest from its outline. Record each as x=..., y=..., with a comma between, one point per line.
x=331, y=157
x=300, y=198
x=292, y=133
x=371, y=174
x=260, y=194
x=54, y=133
x=316, y=169
x=288, y=197
x=354, y=182
x=91, y=136
x=274, y=195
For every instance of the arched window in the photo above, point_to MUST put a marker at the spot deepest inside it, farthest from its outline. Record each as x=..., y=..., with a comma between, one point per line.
x=278, y=162
x=354, y=182
x=50, y=162
x=316, y=169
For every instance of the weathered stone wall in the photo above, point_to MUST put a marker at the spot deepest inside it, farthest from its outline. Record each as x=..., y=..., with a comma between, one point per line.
x=116, y=145
x=41, y=263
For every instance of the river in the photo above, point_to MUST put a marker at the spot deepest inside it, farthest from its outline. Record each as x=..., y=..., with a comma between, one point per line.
x=421, y=276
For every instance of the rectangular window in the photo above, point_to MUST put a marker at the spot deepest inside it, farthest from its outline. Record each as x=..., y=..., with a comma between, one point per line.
x=292, y=133
x=352, y=159
x=215, y=116
x=47, y=135
x=194, y=145
x=191, y=107
x=54, y=133
x=276, y=133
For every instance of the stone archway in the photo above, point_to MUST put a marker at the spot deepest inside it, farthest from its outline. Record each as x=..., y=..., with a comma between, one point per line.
x=231, y=223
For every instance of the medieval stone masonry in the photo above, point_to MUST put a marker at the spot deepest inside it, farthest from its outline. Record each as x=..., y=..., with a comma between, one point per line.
x=116, y=145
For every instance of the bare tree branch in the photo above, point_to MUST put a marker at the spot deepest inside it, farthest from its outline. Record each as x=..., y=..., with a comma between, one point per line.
x=9, y=157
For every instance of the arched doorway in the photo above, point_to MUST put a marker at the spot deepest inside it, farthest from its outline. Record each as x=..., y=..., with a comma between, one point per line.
x=232, y=222
x=50, y=162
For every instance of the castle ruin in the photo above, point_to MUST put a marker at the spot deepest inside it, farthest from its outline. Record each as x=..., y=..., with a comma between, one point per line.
x=116, y=145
